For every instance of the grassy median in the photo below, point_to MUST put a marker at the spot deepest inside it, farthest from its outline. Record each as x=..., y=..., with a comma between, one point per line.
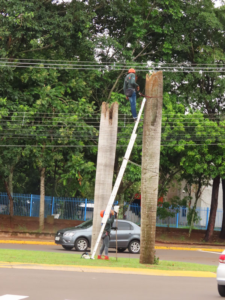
x=39, y=257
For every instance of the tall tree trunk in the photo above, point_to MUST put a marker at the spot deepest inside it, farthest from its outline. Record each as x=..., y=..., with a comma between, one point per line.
x=10, y=198
x=222, y=232
x=213, y=210
x=10, y=180
x=42, y=200
x=150, y=165
x=197, y=196
x=105, y=164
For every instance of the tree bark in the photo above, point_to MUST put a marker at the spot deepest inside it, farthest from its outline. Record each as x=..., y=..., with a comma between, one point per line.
x=150, y=165
x=10, y=198
x=213, y=209
x=10, y=180
x=42, y=200
x=222, y=232
x=105, y=164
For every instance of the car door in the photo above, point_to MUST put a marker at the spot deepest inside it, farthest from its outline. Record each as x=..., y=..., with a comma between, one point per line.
x=123, y=234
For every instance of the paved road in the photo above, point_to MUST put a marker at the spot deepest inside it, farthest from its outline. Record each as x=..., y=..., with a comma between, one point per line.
x=63, y=285
x=173, y=255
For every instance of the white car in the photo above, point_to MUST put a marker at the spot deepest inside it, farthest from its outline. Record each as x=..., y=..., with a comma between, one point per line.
x=221, y=275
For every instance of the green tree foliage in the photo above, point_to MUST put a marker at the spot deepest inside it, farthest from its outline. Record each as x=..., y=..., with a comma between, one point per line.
x=44, y=107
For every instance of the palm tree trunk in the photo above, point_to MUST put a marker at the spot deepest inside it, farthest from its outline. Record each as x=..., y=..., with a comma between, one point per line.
x=150, y=165
x=105, y=164
x=42, y=200
x=213, y=210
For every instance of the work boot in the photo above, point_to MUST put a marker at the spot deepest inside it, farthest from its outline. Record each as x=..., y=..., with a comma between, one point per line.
x=99, y=257
x=106, y=257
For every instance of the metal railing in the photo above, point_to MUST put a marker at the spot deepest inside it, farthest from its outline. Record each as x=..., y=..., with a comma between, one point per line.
x=64, y=208
x=133, y=214
x=82, y=209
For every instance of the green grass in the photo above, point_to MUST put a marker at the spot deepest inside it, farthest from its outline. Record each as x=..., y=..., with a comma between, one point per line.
x=40, y=257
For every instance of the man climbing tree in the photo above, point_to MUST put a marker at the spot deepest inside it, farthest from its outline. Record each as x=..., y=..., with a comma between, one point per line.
x=130, y=87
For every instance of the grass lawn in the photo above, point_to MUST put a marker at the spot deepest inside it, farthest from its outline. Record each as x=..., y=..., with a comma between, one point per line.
x=40, y=257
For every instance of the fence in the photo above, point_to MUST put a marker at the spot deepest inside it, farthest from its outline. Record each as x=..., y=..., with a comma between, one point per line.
x=133, y=214
x=65, y=208
x=82, y=209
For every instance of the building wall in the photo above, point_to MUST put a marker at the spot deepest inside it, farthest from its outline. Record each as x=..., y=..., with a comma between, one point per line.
x=177, y=189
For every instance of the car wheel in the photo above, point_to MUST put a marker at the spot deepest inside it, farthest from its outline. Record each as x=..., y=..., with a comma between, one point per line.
x=121, y=249
x=68, y=247
x=134, y=247
x=221, y=290
x=81, y=244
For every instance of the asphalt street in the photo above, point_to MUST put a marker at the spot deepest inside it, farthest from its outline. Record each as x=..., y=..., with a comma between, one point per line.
x=63, y=285
x=172, y=255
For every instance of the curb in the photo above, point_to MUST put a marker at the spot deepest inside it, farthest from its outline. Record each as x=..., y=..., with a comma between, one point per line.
x=189, y=249
x=93, y=269
x=27, y=242
x=156, y=247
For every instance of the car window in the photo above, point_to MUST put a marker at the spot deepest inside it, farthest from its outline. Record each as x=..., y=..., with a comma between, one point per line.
x=85, y=225
x=124, y=226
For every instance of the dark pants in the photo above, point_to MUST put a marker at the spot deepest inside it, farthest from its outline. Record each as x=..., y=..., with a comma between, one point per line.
x=133, y=105
x=105, y=245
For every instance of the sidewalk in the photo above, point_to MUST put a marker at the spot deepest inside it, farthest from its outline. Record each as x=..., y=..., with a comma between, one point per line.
x=159, y=246
x=92, y=269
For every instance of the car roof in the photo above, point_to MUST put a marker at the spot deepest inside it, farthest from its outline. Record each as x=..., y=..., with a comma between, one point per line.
x=126, y=221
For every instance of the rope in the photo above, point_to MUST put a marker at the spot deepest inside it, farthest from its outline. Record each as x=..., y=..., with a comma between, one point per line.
x=142, y=95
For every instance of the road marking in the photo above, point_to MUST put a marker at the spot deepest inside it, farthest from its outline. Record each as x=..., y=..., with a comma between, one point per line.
x=187, y=249
x=28, y=242
x=12, y=297
x=209, y=252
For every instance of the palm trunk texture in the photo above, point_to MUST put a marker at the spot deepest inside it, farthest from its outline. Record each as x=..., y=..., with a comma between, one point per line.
x=222, y=232
x=42, y=200
x=213, y=209
x=150, y=165
x=105, y=164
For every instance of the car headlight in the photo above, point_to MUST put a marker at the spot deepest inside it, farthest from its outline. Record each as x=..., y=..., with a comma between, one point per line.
x=69, y=234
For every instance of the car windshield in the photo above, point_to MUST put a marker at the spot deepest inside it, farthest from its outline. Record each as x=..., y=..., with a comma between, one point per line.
x=85, y=225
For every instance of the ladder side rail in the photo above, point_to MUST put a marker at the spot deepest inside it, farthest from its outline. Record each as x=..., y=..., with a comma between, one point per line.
x=118, y=180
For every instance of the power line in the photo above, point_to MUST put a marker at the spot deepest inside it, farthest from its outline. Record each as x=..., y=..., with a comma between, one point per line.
x=90, y=146
x=109, y=64
x=131, y=63
x=100, y=69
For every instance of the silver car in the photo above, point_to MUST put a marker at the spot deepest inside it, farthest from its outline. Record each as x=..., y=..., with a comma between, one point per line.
x=79, y=237
x=221, y=275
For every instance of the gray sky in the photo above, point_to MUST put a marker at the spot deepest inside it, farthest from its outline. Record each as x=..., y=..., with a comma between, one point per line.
x=218, y=3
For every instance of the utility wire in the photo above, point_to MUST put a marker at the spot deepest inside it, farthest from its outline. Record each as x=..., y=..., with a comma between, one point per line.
x=90, y=146
x=100, y=69
x=122, y=63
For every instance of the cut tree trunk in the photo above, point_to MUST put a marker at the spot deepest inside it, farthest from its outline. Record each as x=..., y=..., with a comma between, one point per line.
x=105, y=165
x=222, y=232
x=150, y=165
x=213, y=209
x=42, y=200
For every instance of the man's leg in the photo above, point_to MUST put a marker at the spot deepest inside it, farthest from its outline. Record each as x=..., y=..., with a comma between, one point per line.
x=133, y=105
x=102, y=247
x=106, y=241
